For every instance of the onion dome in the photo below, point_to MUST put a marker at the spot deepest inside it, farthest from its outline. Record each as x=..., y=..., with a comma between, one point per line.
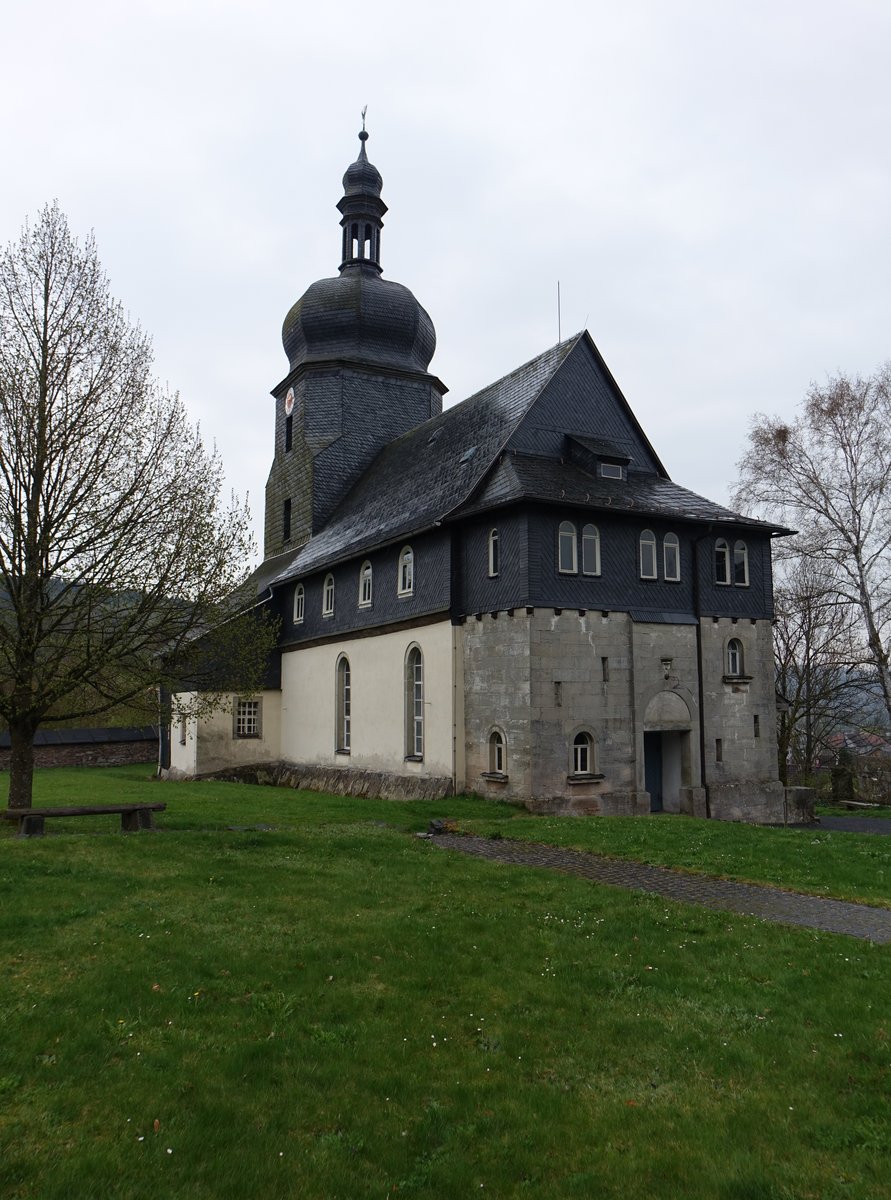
x=358, y=316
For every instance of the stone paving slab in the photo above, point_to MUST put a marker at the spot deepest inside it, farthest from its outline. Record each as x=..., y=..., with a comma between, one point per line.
x=755, y=900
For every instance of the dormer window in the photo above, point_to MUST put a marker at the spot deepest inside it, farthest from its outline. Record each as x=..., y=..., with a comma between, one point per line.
x=612, y=471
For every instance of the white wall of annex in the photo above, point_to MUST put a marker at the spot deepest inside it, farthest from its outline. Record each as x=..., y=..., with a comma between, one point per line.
x=377, y=680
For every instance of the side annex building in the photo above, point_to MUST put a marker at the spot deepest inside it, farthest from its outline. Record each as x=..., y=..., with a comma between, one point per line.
x=509, y=597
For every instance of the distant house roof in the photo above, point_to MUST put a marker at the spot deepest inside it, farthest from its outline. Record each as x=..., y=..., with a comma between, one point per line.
x=85, y=737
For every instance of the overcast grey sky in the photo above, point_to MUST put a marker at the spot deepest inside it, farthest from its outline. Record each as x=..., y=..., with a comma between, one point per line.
x=709, y=181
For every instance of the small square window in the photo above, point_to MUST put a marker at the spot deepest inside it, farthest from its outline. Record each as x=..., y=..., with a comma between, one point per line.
x=247, y=719
x=611, y=471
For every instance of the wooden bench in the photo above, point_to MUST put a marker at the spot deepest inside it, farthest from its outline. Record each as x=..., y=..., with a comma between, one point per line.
x=133, y=816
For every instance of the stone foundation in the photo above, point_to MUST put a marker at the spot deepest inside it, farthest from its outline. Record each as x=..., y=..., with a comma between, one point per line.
x=340, y=781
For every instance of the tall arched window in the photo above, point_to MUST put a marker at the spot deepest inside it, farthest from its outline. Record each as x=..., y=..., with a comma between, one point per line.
x=414, y=703
x=328, y=596
x=365, y=585
x=567, y=549
x=735, y=661
x=497, y=758
x=671, y=557
x=494, y=553
x=299, y=603
x=343, y=714
x=722, y=561
x=648, y=554
x=406, y=572
x=740, y=564
x=590, y=550
x=582, y=754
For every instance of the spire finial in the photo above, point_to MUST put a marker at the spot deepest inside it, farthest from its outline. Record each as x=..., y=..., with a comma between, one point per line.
x=363, y=136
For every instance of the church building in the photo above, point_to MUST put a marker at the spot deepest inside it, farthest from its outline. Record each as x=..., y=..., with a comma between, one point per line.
x=509, y=596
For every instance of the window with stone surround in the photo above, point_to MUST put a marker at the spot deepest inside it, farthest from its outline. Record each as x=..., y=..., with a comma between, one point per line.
x=497, y=754
x=735, y=661
x=583, y=754
x=414, y=704
x=344, y=705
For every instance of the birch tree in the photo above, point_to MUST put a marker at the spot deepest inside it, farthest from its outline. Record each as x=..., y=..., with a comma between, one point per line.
x=827, y=473
x=116, y=549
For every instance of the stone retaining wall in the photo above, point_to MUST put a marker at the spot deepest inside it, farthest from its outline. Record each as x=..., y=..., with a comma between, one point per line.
x=341, y=781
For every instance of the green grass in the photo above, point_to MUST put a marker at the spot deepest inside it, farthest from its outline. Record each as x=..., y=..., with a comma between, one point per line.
x=882, y=811
x=329, y=1008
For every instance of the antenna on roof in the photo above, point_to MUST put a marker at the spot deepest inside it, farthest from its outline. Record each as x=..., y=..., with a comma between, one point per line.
x=559, y=337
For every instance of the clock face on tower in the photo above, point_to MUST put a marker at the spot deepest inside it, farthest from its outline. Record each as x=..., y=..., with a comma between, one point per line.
x=289, y=402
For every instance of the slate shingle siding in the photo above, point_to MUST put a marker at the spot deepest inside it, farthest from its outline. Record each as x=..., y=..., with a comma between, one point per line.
x=430, y=594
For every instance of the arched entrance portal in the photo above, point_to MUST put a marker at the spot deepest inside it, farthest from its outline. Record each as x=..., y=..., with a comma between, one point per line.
x=667, y=727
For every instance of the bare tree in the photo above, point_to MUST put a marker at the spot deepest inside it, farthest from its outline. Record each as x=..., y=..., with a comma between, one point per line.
x=815, y=645
x=115, y=548
x=828, y=474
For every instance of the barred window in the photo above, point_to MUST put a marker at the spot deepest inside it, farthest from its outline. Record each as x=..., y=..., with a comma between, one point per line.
x=247, y=718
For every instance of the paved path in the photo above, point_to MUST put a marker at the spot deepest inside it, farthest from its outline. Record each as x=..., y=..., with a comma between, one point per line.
x=768, y=903
x=857, y=824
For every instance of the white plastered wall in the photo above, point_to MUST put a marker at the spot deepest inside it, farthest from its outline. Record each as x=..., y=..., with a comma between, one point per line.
x=210, y=742
x=377, y=681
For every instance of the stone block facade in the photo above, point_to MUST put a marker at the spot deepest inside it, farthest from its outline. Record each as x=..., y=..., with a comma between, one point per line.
x=541, y=678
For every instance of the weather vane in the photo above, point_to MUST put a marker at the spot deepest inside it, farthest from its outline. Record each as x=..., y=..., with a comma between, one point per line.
x=364, y=111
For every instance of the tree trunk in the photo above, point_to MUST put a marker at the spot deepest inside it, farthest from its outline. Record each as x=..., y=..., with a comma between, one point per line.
x=21, y=764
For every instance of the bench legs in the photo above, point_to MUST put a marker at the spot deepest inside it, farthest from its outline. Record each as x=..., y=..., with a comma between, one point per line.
x=132, y=822
x=30, y=826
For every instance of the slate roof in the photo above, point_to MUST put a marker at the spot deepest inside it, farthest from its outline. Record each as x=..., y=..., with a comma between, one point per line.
x=455, y=465
x=529, y=477
x=424, y=476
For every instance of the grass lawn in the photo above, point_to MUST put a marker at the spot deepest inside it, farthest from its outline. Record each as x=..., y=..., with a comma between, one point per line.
x=280, y=994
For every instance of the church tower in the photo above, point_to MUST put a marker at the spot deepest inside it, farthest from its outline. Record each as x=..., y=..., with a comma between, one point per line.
x=358, y=348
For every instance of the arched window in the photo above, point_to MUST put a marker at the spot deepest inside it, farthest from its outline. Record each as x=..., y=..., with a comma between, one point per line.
x=671, y=557
x=414, y=703
x=590, y=550
x=494, y=553
x=567, y=550
x=328, y=596
x=497, y=757
x=583, y=754
x=722, y=561
x=406, y=572
x=740, y=564
x=648, y=554
x=343, y=706
x=735, y=662
x=365, y=585
x=299, y=603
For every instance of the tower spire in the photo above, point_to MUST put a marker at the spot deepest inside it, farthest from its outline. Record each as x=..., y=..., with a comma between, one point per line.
x=362, y=212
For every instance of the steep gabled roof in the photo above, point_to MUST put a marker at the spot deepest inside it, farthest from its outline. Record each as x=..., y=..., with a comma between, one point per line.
x=422, y=477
